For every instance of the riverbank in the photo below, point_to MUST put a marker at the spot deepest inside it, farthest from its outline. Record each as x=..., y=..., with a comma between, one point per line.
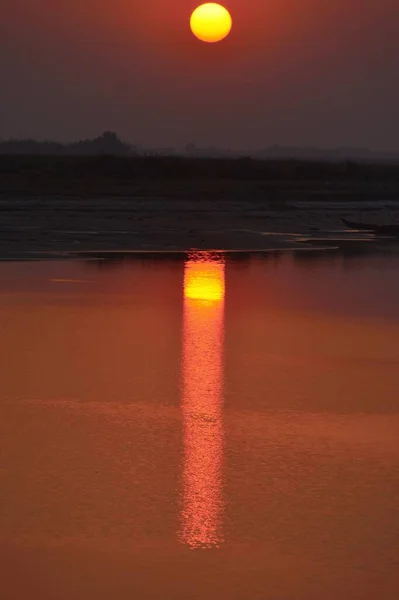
x=64, y=204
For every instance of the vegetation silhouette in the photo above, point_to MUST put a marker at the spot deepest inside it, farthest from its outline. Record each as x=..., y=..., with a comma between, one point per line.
x=106, y=157
x=110, y=169
x=106, y=144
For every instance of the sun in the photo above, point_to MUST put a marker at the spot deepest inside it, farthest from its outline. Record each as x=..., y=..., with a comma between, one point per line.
x=211, y=22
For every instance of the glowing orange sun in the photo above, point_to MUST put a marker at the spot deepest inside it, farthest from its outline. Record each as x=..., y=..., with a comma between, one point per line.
x=211, y=22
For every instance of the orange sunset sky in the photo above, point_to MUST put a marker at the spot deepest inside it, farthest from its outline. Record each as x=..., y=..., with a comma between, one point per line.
x=293, y=72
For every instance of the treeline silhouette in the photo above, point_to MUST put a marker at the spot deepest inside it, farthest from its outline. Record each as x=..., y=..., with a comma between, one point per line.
x=39, y=166
x=106, y=144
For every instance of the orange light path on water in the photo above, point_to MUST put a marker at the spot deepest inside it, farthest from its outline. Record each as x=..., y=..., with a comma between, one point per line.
x=202, y=373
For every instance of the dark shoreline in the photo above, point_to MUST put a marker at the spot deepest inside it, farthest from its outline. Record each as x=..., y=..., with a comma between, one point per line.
x=107, y=203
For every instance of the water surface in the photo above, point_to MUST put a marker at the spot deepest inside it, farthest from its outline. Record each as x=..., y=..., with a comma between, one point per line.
x=200, y=427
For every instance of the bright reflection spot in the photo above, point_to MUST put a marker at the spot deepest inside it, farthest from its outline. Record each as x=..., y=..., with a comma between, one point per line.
x=202, y=507
x=204, y=278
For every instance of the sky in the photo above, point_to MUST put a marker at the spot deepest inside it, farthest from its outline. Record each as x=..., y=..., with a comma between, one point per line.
x=292, y=72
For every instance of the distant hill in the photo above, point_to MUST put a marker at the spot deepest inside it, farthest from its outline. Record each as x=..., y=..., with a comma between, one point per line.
x=110, y=144
x=106, y=144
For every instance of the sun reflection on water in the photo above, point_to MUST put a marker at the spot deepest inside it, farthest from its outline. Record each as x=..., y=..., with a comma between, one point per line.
x=202, y=374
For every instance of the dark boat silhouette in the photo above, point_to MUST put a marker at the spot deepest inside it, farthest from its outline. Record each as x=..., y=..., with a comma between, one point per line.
x=379, y=229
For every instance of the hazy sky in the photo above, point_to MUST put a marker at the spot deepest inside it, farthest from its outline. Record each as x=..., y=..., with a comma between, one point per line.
x=293, y=72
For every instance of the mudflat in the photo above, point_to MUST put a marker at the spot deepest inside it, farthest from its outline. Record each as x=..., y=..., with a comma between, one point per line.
x=68, y=204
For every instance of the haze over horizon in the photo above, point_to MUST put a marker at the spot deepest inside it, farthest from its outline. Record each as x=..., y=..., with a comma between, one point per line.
x=294, y=74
